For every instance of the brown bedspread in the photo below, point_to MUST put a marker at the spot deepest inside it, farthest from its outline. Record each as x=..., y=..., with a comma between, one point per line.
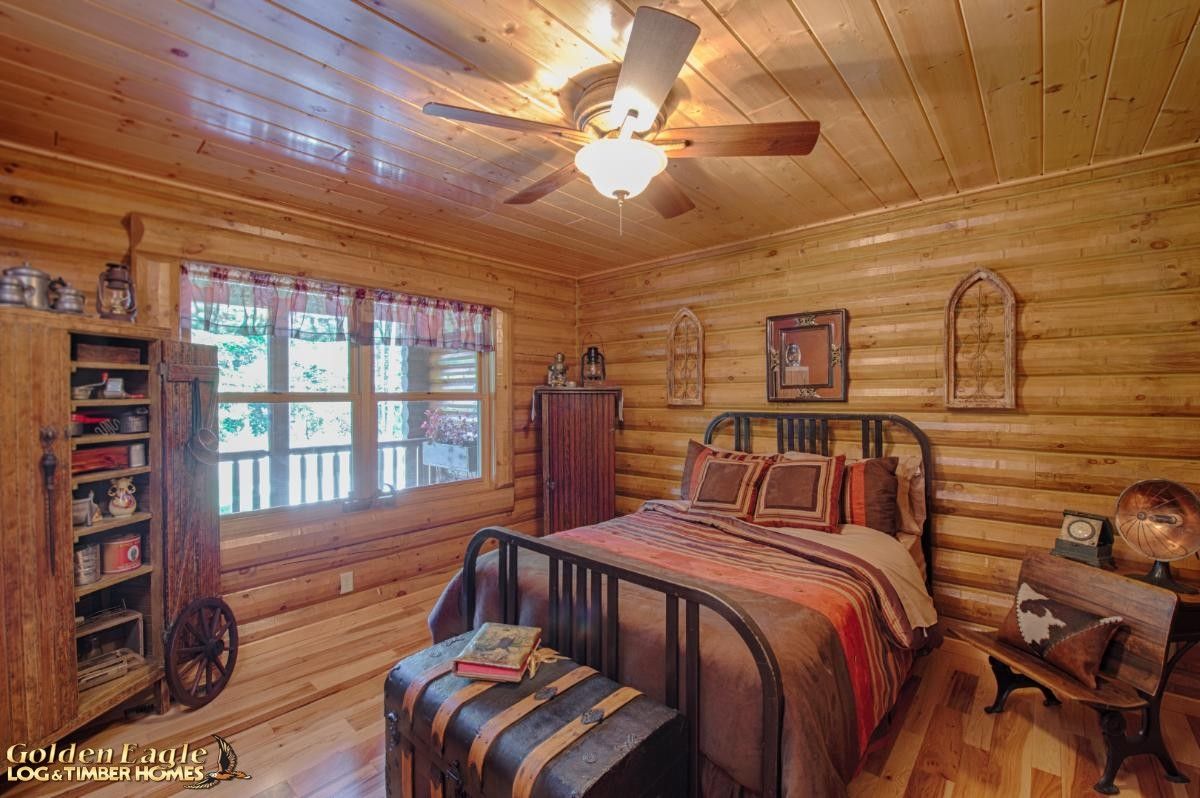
x=835, y=621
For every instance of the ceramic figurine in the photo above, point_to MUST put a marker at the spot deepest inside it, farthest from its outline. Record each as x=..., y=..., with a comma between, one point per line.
x=121, y=502
x=556, y=372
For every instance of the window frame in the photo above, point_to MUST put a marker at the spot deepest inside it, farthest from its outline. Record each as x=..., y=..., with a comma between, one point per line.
x=494, y=472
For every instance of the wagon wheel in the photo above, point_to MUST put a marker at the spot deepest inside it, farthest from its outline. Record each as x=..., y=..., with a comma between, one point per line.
x=201, y=651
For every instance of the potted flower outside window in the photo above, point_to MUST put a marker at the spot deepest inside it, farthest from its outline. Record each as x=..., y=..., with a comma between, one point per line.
x=452, y=442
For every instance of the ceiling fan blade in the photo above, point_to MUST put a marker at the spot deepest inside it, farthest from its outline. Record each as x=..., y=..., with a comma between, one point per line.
x=507, y=122
x=658, y=47
x=668, y=197
x=547, y=185
x=771, y=138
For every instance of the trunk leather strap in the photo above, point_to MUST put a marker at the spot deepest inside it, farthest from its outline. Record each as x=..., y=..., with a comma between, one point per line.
x=490, y=730
x=406, y=769
x=537, y=759
x=451, y=705
x=418, y=685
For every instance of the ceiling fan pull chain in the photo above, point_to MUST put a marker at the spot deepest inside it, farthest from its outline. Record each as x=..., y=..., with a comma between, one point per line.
x=620, y=216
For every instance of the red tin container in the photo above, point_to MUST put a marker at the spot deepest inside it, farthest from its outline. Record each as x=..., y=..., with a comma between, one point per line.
x=121, y=554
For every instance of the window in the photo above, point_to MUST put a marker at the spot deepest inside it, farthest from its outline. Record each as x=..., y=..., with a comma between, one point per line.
x=330, y=392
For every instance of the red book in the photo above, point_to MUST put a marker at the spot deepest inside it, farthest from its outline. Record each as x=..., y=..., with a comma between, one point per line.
x=498, y=652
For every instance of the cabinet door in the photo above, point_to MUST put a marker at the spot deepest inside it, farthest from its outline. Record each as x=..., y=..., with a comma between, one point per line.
x=191, y=513
x=37, y=599
x=578, y=459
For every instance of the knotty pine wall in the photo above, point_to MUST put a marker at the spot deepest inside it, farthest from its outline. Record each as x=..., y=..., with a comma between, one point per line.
x=65, y=218
x=1106, y=267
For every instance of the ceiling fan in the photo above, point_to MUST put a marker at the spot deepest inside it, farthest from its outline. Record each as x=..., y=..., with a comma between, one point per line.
x=624, y=147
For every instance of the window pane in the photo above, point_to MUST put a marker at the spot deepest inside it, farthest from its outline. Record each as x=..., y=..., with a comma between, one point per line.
x=427, y=443
x=245, y=470
x=423, y=369
x=318, y=366
x=320, y=462
x=242, y=360
x=312, y=462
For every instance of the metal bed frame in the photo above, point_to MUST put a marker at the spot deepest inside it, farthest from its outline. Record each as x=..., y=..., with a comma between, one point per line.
x=583, y=592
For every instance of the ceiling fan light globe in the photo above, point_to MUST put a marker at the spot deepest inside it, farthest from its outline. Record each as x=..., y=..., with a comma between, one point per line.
x=621, y=168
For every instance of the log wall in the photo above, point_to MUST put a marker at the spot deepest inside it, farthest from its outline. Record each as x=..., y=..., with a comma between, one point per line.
x=1105, y=264
x=66, y=218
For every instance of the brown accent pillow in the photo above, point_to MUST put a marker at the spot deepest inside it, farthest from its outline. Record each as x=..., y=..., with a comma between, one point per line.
x=1071, y=640
x=802, y=491
x=869, y=494
x=728, y=486
x=699, y=453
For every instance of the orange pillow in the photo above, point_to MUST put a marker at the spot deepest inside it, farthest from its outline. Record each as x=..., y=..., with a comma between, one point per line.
x=870, y=494
x=802, y=491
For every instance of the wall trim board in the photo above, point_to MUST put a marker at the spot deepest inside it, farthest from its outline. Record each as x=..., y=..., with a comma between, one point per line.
x=276, y=207
x=784, y=237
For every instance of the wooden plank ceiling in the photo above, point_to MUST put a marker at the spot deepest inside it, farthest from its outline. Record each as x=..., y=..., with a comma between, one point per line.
x=315, y=104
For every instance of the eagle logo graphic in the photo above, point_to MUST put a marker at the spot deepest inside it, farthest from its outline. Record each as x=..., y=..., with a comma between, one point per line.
x=228, y=770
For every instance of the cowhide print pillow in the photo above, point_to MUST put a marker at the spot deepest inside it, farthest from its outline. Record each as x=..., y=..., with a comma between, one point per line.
x=1071, y=640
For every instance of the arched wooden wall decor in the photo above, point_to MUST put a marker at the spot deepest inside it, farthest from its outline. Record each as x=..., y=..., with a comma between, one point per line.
x=685, y=360
x=981, y=348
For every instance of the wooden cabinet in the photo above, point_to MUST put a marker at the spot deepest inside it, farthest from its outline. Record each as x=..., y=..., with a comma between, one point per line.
x=578, y=455
x=42, y=647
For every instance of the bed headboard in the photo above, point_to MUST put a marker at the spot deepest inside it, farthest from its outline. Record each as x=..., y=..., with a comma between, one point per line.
x=809, y=432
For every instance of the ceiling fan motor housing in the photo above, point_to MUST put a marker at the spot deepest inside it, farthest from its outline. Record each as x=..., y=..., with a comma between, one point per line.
x=588, y=107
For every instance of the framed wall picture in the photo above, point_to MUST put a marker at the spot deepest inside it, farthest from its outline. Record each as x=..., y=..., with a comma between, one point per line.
x=806, y=357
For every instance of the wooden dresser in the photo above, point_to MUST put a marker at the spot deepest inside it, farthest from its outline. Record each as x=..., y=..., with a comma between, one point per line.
x=578, y=455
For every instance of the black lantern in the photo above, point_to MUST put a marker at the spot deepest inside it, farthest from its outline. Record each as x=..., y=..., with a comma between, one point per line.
x=591, y=366
x=114, y=293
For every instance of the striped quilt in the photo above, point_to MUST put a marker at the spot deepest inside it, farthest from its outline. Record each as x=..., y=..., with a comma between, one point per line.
x=836, y=620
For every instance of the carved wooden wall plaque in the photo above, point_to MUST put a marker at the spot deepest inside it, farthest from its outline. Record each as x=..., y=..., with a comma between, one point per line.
x=685, y=360
x=981, y=343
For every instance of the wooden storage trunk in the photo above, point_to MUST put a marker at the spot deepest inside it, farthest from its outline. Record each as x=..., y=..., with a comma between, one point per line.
x=565, y=732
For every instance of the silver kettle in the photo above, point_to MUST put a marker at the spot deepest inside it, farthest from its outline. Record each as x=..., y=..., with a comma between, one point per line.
x=35, y=283
x=64, y=298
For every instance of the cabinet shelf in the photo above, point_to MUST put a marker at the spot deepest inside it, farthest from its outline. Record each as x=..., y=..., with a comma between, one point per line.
x=112, y=579
x=97, y=700
x=108, y=622
x=102, y=476
x=78, y=403
x=97, y=365
x=109, y=524
x=119, y=437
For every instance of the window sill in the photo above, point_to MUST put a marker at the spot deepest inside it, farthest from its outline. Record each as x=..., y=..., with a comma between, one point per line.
x=288, y=520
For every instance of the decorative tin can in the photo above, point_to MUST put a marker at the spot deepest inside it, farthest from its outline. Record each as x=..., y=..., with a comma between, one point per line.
x=121, y=554
x=87, y=564
x=137, y=455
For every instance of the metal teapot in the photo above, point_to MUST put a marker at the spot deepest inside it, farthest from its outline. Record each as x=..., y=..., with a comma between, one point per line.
x=64, y=298
x=35, y=284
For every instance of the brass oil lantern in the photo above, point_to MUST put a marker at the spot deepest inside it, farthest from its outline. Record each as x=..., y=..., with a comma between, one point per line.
x=114, y=293
x=591, y=367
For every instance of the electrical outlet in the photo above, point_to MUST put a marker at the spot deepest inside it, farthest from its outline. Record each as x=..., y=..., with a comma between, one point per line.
x=347, y=585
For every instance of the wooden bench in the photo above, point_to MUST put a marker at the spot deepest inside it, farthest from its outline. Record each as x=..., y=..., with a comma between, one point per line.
x=1134, y=672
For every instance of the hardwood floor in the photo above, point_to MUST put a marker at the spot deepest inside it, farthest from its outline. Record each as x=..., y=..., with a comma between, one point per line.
x=305, y=716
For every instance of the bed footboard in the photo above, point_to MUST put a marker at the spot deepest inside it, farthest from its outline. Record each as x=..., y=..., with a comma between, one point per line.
x=584, y=623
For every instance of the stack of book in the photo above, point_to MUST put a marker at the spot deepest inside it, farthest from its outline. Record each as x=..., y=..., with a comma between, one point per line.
x=498, y=653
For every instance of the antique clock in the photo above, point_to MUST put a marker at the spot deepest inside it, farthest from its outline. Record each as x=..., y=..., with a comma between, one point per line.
x=1085, y=538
